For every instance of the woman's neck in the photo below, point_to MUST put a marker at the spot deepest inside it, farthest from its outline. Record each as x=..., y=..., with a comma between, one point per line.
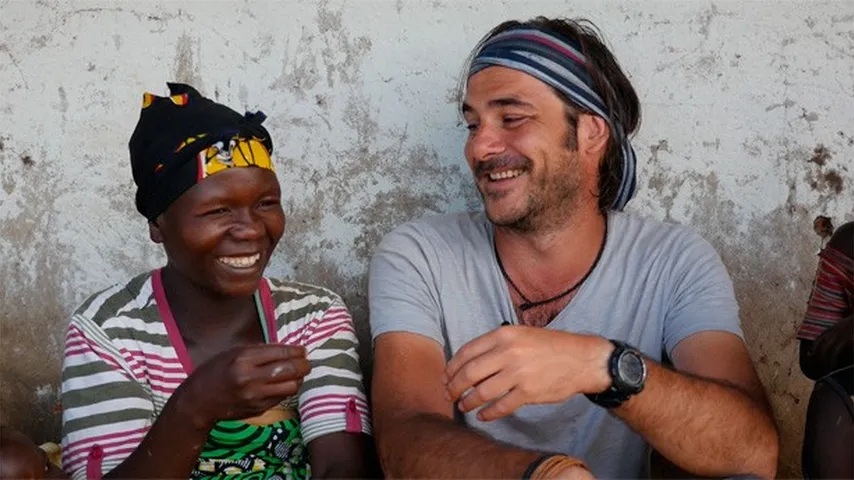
x=203, y=316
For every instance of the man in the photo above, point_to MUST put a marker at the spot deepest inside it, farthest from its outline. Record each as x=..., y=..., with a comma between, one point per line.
x=488, y=325
x=827, y=356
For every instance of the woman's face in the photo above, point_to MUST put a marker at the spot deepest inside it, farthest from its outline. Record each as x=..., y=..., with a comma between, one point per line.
x=221, y=233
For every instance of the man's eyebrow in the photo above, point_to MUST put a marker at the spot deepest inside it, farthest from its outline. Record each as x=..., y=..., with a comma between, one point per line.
x=500, y=102
x=509, y=102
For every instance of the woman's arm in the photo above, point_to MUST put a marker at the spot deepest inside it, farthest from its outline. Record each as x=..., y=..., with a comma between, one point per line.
x=333, y=406
x=343, y=455
x=171, y=447
x=831, y=351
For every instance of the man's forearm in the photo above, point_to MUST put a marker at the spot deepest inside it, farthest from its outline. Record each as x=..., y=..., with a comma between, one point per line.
x=432, y=446
x=702, y=426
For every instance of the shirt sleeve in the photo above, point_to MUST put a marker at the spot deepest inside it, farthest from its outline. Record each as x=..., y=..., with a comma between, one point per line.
x=332, y=398
x=828, y=303
x=105, y=412
x=402, y=286
x=703, y=296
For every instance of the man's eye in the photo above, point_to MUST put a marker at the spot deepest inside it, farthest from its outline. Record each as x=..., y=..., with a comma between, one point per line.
x=471, y=127
x=269, y=203
x=513, y=120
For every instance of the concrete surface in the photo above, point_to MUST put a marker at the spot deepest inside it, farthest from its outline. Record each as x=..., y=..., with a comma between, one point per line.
x=747, y=137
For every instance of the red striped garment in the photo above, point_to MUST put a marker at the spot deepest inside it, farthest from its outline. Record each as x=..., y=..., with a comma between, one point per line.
x=832, y=295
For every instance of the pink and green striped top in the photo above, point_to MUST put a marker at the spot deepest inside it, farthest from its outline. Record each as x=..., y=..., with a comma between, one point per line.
x=124, y=358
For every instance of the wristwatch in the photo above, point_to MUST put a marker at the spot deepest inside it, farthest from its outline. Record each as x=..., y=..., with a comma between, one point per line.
x=627, y=369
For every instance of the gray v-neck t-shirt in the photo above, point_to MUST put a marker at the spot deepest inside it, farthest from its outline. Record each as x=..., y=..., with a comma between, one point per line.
x=655, y=285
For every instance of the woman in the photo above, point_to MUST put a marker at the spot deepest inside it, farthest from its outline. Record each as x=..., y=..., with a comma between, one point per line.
x=204, y=367
x=827, y=356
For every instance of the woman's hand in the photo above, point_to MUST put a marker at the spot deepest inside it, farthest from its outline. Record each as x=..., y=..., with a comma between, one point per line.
x=242, y=382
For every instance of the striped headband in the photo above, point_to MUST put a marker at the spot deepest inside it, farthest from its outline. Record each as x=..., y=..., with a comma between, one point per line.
x=558, y=62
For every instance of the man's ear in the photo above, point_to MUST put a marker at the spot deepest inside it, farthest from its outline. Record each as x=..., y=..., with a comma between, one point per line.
x=593, y=135
x=154, y=231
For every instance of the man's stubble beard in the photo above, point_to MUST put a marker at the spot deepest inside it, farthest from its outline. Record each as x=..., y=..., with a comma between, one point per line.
x=550, y=200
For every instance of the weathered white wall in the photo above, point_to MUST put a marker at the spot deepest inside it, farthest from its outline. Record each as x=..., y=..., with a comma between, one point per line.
x=737, y=97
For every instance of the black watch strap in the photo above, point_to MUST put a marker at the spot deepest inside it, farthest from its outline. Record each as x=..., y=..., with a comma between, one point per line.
x=619, y=391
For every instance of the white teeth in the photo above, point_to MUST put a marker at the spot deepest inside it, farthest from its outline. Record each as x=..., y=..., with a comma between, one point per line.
x=240, y=262
x=505, y=174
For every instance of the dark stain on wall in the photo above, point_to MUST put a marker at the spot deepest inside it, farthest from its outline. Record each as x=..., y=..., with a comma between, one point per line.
x=824, y=182
x=821, y=178
x=834, y=181
x=820, y=155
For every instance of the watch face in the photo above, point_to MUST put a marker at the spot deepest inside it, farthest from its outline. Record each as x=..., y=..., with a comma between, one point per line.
x=631, y=368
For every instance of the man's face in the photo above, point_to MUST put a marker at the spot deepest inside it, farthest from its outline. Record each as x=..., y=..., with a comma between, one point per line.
x=220, y=233
x=519, y=149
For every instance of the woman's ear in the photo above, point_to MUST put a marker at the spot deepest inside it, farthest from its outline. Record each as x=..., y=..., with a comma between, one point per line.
x=154, y=231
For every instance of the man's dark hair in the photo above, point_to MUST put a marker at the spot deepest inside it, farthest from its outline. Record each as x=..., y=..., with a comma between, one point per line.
x=611, y=83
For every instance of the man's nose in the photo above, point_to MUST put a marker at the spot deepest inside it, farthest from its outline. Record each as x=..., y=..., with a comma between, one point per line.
x=485, y=142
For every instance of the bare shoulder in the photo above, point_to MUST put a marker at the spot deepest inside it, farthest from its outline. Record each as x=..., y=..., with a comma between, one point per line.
x=843, y=239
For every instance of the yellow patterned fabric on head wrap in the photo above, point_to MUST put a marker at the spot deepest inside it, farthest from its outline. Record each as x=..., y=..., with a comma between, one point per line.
x=237, y=152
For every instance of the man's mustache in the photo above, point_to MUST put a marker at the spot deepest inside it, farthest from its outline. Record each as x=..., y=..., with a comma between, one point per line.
x=506, y=162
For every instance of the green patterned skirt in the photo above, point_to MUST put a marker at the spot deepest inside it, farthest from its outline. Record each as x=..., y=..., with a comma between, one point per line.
x=239, y=451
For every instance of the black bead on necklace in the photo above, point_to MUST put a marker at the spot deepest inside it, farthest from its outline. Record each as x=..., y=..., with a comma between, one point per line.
x=527, y=304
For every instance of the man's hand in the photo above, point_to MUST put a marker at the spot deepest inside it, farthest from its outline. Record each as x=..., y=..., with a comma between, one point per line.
x=517, y=365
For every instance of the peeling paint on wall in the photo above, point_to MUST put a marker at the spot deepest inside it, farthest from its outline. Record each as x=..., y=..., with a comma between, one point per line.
x=746, y=137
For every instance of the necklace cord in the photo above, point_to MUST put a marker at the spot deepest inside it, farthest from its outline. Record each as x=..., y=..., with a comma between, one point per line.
x=527, y=304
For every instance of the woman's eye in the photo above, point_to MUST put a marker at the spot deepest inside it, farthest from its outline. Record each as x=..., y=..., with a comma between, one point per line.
x=513, y=120
x=215, y=211
x=471, y=127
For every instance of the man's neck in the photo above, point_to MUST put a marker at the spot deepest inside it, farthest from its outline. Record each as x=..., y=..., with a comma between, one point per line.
x=546, y=259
